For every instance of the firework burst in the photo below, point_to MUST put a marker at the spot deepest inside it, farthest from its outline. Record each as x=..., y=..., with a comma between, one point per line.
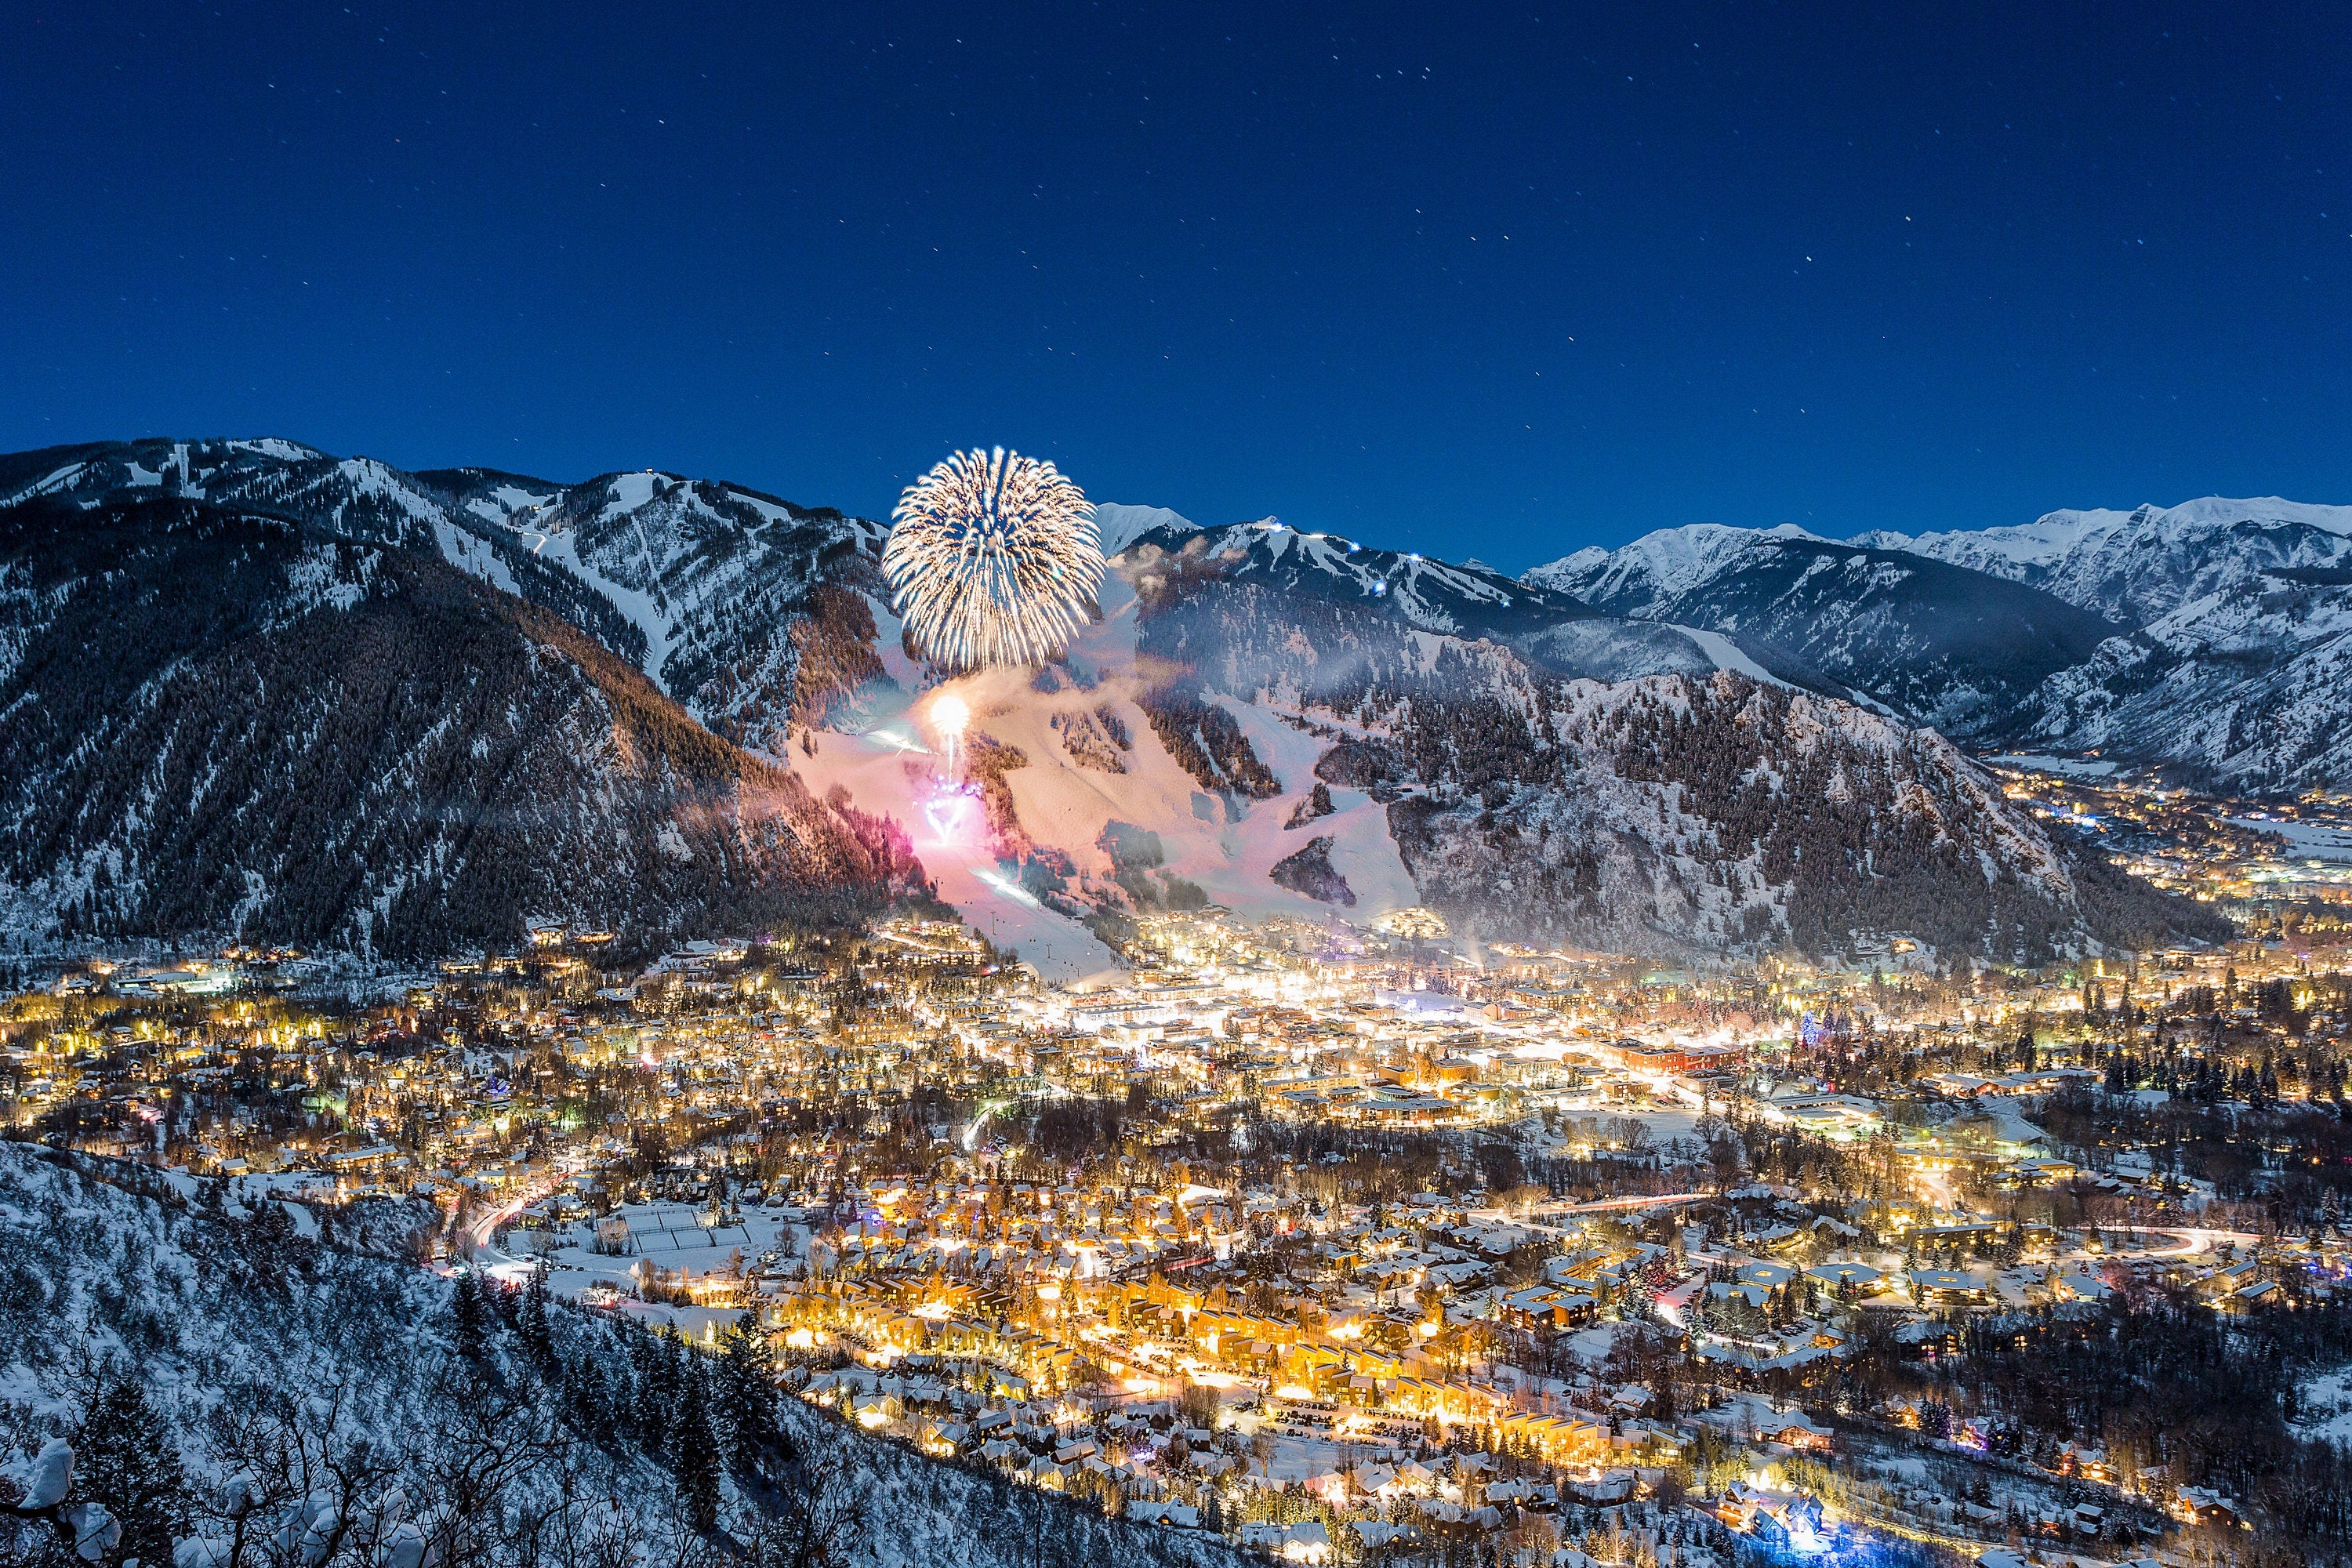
x=992, y=559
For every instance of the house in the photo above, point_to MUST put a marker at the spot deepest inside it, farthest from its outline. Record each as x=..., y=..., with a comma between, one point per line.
x=1861, y=1277
x=2197, y=1505
x=1945, y=1287
x=1306, y=1542
x=2252, y=1298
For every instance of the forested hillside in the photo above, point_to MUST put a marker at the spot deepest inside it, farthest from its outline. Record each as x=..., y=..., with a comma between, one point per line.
x=1691, y=814
x=242, y=1395
x=221, y=722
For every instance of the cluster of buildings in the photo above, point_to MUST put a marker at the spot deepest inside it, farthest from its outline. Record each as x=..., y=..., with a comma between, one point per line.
x=1335, y=1239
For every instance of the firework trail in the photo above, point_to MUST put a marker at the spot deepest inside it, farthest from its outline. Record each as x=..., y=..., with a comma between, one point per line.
x=992, y=559
x=950, y=714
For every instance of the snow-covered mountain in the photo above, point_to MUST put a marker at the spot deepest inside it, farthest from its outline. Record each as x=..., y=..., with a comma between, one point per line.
x=1658, y=567
x=1432, y=596
x=1555, y=630
x=754, y=614
x=2250, y=688
x=1694, y=812
x=223, y=725
x=2135, y=567
x=1937, y=643
x=1120, y=526
x=1275, y=720
x=2233, y=672
x=2203, y=637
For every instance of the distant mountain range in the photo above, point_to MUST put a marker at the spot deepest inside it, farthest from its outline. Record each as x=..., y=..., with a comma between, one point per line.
x=1933, y=642
x=2208, y=639
x=256, y=690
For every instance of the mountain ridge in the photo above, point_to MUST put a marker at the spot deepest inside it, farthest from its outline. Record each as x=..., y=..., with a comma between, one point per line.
x=1204, y=706
x=2197, y=639
x=224, y=723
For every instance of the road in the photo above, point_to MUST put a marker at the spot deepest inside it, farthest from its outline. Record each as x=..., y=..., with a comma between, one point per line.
x=483, y=1229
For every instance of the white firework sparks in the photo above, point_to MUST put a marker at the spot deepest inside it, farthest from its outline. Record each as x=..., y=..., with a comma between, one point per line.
x=992, y=559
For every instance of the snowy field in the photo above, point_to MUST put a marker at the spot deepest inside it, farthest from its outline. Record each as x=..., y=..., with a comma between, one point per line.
x=671, y=1236
x=2327, y=1401
x=2066, y=767
x=2305, y=840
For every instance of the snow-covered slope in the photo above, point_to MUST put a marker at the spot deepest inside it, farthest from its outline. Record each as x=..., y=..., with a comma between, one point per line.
x=323, y=1399
x=755, y=614
x=2136, y=566
x=1939, y=644
x=222, y=725
x=1660, y=565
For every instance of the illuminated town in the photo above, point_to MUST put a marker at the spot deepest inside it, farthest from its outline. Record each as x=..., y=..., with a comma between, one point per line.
x=1346, y=1240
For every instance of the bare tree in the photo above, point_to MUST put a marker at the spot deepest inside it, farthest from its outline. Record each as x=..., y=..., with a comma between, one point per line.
x=812, y=1516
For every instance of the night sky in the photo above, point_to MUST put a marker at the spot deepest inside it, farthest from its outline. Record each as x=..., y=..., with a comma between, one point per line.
x=1480, y=282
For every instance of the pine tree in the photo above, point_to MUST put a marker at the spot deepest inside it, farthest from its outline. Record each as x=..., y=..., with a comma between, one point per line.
x=126, y=1458
x=694, y=1456
x=472, y=1315
x=273, y=1227
x=633, y=1399
x=538, y=1338
x=746, y=1404
x=658, y=1391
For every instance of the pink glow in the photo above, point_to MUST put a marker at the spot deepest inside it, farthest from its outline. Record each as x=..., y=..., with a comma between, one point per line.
x=946, y=812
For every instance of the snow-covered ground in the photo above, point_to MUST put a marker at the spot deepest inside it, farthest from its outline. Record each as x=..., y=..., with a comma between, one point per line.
x=1222, y=845
x=2326, y=1403
x=2305, y=840
x=2066, y=767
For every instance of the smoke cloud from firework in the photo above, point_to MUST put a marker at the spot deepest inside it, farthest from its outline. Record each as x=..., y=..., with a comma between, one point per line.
x=992, y=560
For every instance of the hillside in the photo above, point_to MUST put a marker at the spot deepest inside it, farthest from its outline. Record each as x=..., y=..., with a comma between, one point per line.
x=1939, y=644
x=1712, y=814
x=307, y=1395
x=2232, y=672
x=403, y=713
x=221, y=723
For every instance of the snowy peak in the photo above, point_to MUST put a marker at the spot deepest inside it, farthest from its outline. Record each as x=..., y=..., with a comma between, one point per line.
x=2009, y=551
x=1120, y=526
x=2140, y=566
x=1655, y=566
x=1405, y=585
x=1921, y=637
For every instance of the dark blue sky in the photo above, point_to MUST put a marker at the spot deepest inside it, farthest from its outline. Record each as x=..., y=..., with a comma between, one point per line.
x=1477, y=280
